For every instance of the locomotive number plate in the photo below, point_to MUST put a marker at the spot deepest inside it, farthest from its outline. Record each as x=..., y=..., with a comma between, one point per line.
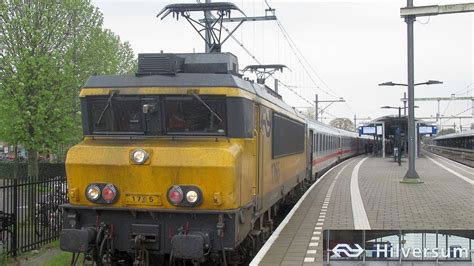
x=144, y=199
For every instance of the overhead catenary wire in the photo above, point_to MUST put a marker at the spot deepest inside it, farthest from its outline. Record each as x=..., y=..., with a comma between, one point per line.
x=297, y=52
x=465, y=90
x=293, y=44
x=426, y=22
x=446, y=109
x=300, y=59
x=454, y=116
x=249, y=53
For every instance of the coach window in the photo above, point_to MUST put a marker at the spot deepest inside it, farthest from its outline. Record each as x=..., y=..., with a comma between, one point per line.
x=314, y=143
x=323, y=144
x=319, y=142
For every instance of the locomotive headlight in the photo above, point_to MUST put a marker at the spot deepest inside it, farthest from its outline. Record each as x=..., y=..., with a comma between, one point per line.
x=93, y=192
x=139, y=156
x=192, y=196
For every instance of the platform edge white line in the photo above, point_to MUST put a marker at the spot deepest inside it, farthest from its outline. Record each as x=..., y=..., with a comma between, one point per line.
x=263, y=251
x=452, y=163
x=361, y=222
x=470, y=181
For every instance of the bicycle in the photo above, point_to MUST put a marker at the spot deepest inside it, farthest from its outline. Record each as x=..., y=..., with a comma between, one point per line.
x=6, y=221
x=48, y=214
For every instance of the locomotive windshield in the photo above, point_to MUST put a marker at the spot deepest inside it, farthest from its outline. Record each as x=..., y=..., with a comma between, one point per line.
x=196, y=115
x=155, y=115
x=116, y=114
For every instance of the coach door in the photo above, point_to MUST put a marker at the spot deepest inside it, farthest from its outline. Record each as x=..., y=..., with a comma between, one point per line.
x=310, y=153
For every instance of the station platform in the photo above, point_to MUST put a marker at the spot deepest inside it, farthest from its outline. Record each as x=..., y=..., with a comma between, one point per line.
x=366, y=193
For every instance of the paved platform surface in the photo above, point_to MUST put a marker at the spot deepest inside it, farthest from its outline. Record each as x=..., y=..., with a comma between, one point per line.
x=366, y=193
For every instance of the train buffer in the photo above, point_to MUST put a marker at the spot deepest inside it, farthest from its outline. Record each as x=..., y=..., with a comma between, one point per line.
x=365, y=193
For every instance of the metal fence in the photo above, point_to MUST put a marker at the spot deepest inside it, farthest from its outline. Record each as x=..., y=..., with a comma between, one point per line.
x=30, y=213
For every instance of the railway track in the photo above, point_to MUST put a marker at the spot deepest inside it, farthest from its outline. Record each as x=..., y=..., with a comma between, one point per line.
x=464, y=156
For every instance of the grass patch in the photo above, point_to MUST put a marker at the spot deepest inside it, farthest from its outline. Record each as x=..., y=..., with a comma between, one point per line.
x=64, y=258
x=3, y=259
x=24, y=258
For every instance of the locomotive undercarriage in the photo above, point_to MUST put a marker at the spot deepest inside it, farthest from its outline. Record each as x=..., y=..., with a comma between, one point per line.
x=113, y=236
x=106, y=234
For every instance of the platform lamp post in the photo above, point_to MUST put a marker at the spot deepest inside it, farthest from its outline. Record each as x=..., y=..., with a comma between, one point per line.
x=411, y=176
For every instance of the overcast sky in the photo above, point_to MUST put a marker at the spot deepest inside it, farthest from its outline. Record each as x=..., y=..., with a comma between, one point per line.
x=352, y=46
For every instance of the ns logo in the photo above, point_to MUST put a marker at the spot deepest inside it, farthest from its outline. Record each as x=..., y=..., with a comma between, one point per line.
x=345, y=250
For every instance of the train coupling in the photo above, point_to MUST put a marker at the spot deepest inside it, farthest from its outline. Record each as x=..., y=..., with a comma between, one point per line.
x=191, y=246
x=77, y=240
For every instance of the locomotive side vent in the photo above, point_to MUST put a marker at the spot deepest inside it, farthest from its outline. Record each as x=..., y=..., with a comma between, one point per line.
x=159, y=64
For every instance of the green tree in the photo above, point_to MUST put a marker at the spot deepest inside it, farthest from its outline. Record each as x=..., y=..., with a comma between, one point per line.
x=309, y=112
x=50, y=49
x=342, y=123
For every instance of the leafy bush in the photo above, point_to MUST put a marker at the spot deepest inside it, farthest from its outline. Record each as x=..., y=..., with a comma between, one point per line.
x=46, y=170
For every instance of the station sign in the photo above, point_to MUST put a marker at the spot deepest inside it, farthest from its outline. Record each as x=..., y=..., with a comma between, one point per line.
x=427, y=130
x=370, y=130
x=401, y=245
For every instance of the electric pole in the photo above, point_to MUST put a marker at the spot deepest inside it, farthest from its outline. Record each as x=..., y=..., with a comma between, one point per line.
x=317, y=101
x=410, y=13
x=359, y=119
x=207, y=21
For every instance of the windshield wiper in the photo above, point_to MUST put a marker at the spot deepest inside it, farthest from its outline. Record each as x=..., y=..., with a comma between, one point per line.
x=207, y=106
x=109, y=105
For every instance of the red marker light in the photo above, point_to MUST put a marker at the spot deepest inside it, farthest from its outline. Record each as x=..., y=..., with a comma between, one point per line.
x=109, y=192
x=175, y=195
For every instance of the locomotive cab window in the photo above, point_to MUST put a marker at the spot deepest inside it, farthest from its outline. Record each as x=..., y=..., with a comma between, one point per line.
x=195, y=115
x=121, y=115
x=116, y=114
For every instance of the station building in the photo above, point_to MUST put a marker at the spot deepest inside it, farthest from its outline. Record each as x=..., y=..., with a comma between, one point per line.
x=389, y=130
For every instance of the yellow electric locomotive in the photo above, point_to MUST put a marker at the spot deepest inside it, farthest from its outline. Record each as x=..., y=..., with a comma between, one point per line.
x=184, y=163
x=184, y=159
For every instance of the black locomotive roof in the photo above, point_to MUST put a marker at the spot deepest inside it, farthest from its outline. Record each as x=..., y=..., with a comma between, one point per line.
x=177, y=80
x=178, y=70
x=187, y=70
